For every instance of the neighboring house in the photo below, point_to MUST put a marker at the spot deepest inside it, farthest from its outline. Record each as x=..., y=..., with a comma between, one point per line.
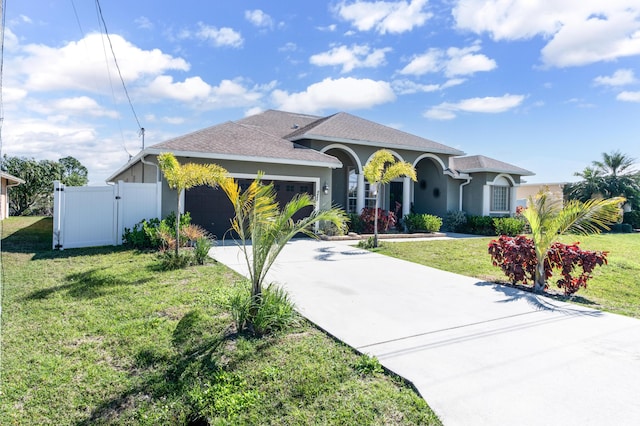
x=6, y=181
x=325, y=156
x=526, y=190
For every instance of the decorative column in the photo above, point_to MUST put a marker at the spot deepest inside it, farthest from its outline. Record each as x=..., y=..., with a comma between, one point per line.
x=360, y=193
x=406, y=196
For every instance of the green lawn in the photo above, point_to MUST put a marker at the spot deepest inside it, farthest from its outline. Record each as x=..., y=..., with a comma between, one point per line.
x=102, y=336
x=614, y=287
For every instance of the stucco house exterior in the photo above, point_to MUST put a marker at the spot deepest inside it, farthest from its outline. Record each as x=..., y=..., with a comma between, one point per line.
x=325, y=156
x=6, y=181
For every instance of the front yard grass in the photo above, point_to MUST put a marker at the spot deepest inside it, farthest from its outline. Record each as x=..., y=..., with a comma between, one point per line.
x=102, y=336
x=614, y=287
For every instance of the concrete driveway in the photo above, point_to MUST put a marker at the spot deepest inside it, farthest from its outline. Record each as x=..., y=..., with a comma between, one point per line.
x=479, y=353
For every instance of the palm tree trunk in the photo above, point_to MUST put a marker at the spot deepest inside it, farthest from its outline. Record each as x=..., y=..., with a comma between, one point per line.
x=375, y=221
x=178, y=225
x=540, y=278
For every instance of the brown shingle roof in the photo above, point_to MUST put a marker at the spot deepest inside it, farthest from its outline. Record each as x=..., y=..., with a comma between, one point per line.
x=278, y=123
x=232, y=139
x=344, y=127
x=480, y=163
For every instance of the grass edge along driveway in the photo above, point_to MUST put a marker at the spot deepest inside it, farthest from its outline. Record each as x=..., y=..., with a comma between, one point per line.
x=102, y=336
x=614, y=287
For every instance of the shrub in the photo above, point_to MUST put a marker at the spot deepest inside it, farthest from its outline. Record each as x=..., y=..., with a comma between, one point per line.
x=169, y=261
x=368, y=365
x=632, y=218
x=201, y=250
x=142, y=235
x=517, y=259
x=274, y=312
x=193, y=233
x=454, y=221
x=355, y=223
x=622, y=228
x=422, y=222
x=386, y=219
x=510, y=226
x=480, y=225
x=367, y=244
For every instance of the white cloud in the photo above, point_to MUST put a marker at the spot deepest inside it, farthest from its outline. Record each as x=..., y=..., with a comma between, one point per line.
x=489, y=104
x=81, y=65
x=621, y=77
x=330, y=28
x=629, y=96
x=385, y=16
x=430, y=61
x=219, y=36
x=79, y=105
x=578, y=33
x=235, y=93
x=466, y=61
x=452, y=62
x=143, y=23
x=13, y=94
x=258, y=18
x=407, y=87
x=190, y=89
x=288, y=47
x=356, y=56
x=342, y=93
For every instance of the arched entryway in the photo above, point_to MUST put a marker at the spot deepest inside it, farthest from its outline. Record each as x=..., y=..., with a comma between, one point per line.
x=430, y=191
x=346, y=182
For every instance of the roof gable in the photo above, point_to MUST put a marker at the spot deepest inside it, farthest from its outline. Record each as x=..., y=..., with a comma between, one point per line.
x=347, y=128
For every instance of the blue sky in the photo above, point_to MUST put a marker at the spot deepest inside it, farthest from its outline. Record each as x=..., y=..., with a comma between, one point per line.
x=545, y=85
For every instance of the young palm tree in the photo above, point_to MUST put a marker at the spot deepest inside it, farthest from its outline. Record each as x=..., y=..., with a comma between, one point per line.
x=548, y=218
x=380, y=170
x=186, y=176
x=263, y=229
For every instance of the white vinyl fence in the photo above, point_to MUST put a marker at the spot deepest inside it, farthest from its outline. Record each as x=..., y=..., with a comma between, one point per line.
x=88, y=216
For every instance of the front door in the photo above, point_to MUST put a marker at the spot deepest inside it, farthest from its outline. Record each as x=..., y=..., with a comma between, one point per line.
x=395, y=198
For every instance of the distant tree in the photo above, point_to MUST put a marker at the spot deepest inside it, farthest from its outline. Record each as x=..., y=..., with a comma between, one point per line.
x=35, y=196
x=613, y=176
x=382, y=169
x=73, y=173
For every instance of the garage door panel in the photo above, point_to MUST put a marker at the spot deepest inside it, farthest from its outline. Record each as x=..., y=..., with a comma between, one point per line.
x=211, y=209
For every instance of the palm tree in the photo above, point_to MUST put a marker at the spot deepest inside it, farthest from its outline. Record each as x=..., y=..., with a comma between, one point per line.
x=186, y=176
x=590, y=186
x=613, y=176
x=615, y=163
x=548, y=218
x=382, y=169
x=263, y=229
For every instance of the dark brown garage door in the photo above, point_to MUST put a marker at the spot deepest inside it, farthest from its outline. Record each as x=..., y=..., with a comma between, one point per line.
x=211, y=209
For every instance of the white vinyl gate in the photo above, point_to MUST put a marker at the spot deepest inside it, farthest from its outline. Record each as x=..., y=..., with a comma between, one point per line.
x=88, y=216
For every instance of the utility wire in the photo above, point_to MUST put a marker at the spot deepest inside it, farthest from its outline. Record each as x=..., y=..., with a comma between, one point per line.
x=115, y=60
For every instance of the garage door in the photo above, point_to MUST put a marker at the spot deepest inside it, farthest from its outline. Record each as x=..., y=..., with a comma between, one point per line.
x=211, y=209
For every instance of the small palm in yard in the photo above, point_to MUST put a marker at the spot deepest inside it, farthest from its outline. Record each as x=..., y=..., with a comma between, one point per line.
x=263, y=229
x=548, y=219
x=186, y=176
x=382, y=169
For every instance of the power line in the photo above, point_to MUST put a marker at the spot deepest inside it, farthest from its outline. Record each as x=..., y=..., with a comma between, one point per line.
x=115, y=60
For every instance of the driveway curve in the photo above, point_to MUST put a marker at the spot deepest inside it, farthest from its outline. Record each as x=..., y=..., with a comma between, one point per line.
x=478, y=352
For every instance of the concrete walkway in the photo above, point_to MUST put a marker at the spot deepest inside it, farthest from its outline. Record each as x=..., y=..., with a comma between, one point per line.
x=479, y=353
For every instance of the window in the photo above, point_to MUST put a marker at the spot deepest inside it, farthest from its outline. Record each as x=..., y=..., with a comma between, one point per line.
x=304, y=188
x=499, y=198
x=352, y=193
x=289, y=188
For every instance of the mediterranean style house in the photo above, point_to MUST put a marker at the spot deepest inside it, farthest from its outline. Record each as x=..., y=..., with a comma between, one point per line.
x=325, y=156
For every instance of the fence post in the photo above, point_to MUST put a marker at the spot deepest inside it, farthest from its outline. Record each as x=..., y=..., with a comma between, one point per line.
x=58, y=215
x=118, y=213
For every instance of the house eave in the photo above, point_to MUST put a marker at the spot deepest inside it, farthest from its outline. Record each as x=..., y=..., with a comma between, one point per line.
x=489, y=170
x=453, y=152
x=231, y=157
